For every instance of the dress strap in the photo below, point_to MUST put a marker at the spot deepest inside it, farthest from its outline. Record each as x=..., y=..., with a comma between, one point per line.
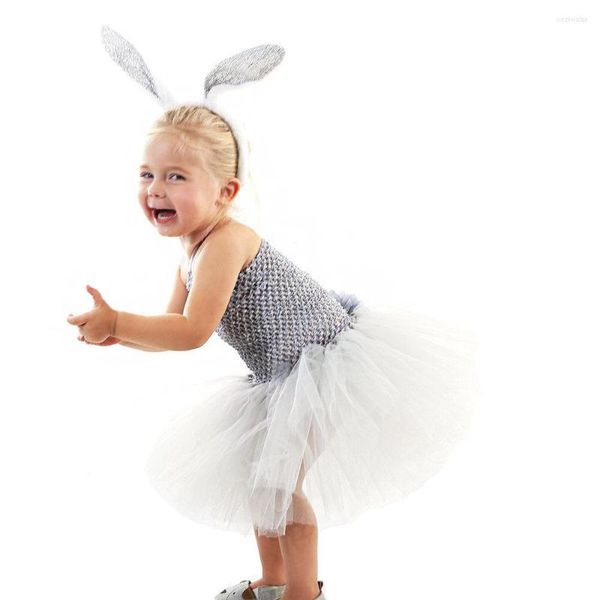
x=191, y=262
x=191, y=259
x=194, y=252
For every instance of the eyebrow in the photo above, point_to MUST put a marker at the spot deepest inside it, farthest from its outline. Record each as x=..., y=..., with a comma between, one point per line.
x=174, y=167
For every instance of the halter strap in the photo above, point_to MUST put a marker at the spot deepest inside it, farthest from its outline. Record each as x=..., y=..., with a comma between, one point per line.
x=191, y=260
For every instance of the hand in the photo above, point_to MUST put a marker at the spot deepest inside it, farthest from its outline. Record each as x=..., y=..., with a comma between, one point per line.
x=109, y=341
x=97, y=325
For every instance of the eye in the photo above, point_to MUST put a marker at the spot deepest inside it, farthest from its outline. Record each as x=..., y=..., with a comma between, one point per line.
x=142, y=175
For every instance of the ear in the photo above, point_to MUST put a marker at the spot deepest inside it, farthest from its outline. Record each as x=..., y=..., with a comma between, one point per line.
x=248, y=65
x=230, y=190
x=131, y=61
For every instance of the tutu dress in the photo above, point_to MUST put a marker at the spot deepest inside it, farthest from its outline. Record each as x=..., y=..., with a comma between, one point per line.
x=346, y=405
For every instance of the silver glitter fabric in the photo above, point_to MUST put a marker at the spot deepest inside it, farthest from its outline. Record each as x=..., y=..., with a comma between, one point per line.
x=126, y=56
x=275, y=310
x=248, y=65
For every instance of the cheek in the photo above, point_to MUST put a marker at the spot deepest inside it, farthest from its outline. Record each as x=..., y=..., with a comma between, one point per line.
x=143, y=204
x=184, y=205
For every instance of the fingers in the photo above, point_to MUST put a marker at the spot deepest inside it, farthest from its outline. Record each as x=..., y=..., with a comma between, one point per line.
x=95, y=295
x=83, y=317
x=78, y=319
x=81, y=320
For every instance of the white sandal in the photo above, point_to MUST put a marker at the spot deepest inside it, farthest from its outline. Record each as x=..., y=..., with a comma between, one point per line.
x=262, y=592
x=242, y=590
x=321, y=595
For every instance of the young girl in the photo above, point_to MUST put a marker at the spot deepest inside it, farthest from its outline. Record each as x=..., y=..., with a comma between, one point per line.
x=345, y=408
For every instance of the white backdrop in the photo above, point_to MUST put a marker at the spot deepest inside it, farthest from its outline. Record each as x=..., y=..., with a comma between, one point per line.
x=442, y=156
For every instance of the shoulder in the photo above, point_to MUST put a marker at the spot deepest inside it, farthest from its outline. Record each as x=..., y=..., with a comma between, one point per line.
x=239, y=241
x=240, y=238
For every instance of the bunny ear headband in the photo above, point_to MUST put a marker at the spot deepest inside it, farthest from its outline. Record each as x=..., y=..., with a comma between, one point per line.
x=249, y=65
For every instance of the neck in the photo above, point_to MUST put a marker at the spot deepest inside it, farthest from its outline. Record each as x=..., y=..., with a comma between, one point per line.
x=193, y=243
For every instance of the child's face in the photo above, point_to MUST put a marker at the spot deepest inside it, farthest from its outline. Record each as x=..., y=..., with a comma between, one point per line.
x=168, y=181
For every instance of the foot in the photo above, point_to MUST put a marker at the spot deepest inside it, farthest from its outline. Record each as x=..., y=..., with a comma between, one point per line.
x=263, y=581
x=316, y=594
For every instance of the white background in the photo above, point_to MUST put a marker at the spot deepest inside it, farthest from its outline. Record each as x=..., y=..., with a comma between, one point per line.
x=438, y=155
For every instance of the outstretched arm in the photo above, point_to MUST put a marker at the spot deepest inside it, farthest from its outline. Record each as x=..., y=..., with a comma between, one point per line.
x=215, y=275
x=138, y=347
x=111, y=341
x=176, y=304
x=164, y=332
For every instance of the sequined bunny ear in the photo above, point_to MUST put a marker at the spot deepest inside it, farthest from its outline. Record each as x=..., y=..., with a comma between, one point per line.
x=248, y=65
x=125, y=55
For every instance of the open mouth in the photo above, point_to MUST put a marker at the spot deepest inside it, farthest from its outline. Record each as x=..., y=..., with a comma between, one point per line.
x=163, y=215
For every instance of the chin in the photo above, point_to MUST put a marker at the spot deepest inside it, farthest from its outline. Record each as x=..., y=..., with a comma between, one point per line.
x=168, y=233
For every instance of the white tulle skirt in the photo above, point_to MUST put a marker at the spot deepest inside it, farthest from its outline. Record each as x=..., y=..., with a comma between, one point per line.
x=355, y=425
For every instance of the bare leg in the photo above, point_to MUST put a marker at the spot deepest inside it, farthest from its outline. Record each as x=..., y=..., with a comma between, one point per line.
x=299, y=549
x=273, y=567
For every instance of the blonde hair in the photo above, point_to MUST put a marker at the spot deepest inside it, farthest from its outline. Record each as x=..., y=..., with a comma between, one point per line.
x=204, y=137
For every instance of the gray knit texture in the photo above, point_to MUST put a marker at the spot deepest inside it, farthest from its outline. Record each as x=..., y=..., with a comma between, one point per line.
x=131, y=61
x=275, y=310
x=249, y=65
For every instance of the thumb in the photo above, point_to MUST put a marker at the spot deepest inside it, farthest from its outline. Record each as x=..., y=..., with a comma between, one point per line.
x=96, y=295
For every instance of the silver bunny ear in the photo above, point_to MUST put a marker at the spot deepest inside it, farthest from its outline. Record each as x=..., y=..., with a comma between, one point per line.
x=248, y=65
x=125, y=55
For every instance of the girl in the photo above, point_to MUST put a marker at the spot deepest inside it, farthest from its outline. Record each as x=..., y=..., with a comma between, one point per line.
x=345, y=408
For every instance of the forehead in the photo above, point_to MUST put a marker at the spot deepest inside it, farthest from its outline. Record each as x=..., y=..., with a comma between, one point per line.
x=161, y=151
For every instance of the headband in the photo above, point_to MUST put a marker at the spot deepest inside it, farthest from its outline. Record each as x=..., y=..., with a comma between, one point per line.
x=249, y=65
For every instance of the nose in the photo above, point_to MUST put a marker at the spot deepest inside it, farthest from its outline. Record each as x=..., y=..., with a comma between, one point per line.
x=154, y=189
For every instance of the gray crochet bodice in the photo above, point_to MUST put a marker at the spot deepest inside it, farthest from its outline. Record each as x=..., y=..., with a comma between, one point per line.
x=275, y=310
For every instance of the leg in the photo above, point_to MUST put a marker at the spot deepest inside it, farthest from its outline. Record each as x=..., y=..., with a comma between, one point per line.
x=273, y=568
x=299, y=549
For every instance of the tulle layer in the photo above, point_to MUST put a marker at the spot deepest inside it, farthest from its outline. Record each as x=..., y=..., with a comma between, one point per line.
x=355, y=425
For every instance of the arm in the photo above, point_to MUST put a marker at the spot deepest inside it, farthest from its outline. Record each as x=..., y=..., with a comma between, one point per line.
x=138, y=347
x=215, y=274
x=176, y=305
x=165, y=332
